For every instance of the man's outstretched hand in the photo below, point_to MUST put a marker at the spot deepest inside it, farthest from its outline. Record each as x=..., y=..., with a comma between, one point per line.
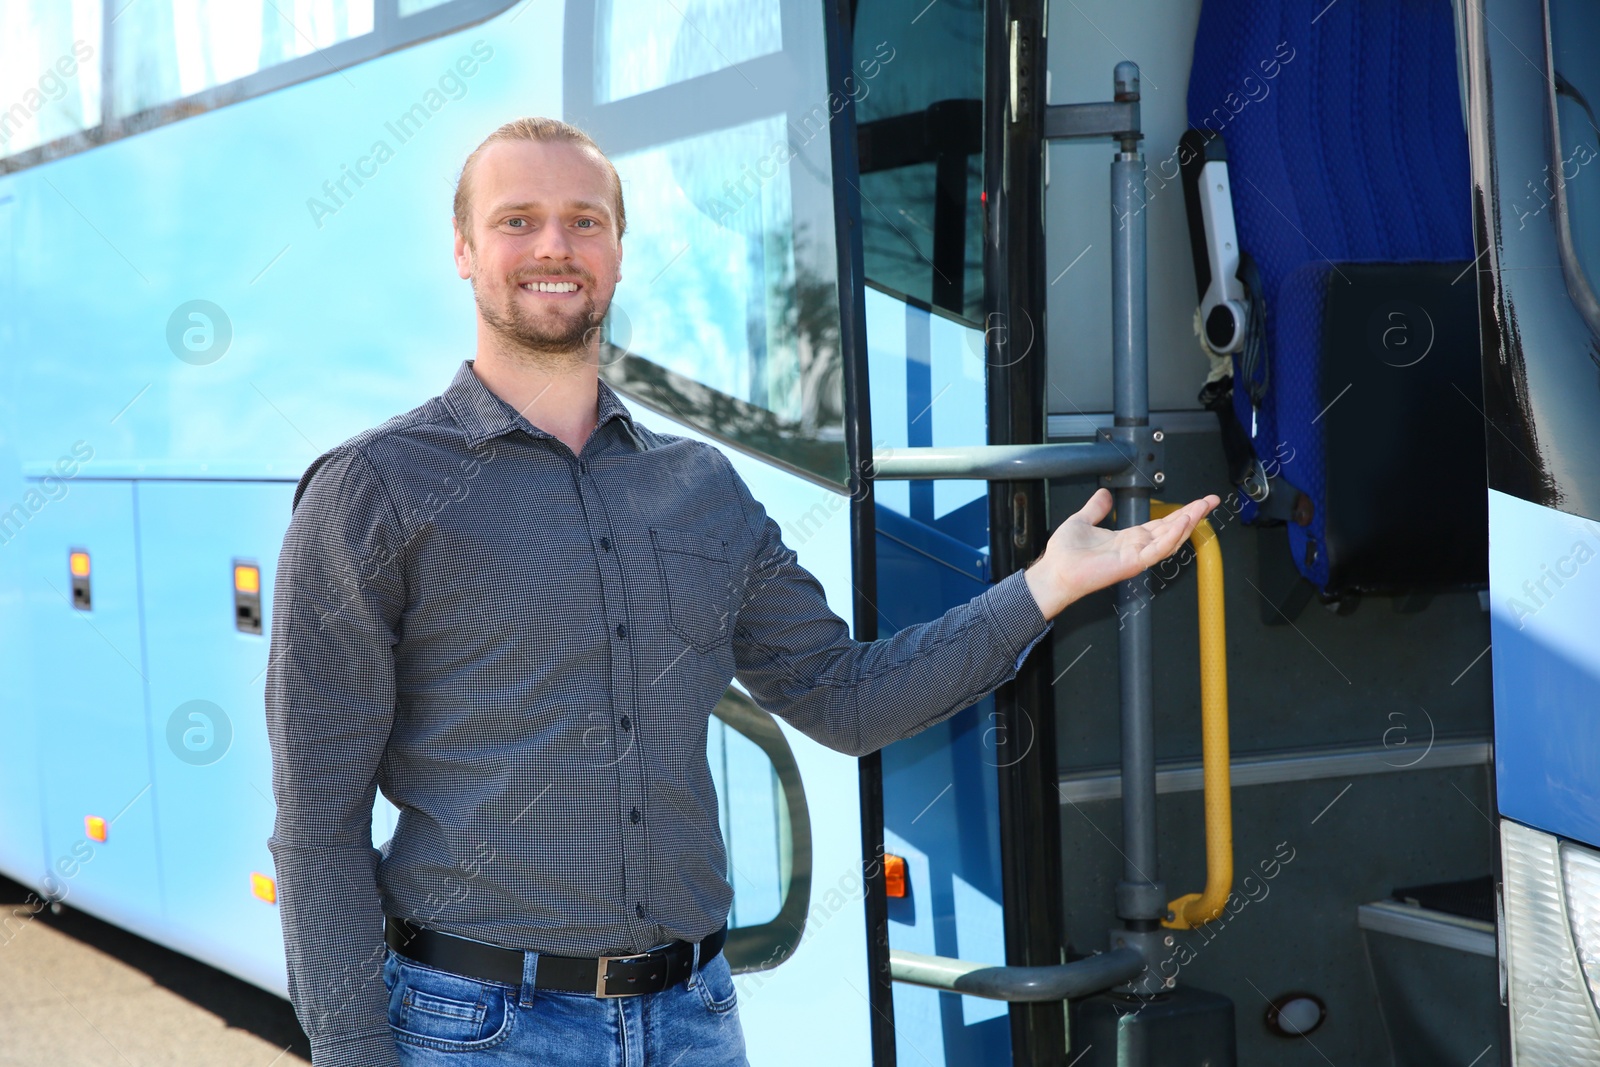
x=1082, y=556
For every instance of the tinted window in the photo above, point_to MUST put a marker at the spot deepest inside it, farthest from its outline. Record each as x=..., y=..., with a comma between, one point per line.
x=921, y=138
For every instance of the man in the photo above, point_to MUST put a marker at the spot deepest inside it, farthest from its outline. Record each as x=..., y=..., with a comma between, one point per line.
x=513, y=609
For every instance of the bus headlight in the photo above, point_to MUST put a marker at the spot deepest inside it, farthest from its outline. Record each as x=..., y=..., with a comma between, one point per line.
x=1553, y=1019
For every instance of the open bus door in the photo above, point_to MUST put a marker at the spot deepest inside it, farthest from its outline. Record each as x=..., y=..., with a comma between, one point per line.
x=859, y=217
x=738, y=322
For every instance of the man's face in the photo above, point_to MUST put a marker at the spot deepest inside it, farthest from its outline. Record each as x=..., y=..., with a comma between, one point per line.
x=541, y=212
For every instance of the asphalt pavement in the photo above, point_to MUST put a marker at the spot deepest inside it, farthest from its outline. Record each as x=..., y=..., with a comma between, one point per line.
x=84, y=993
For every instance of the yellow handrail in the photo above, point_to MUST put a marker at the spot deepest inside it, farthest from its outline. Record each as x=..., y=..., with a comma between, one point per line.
x=1195, y=909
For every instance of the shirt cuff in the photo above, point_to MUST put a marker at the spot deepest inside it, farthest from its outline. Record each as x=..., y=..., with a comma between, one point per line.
x=1015, y=616
x=1024, y=653
x=374, y=1050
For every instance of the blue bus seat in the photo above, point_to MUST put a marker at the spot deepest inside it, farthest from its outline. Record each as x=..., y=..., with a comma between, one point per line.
x=1346, y=154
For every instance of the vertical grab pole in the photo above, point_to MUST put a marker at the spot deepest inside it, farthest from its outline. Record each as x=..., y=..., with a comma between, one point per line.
x=1141, y=898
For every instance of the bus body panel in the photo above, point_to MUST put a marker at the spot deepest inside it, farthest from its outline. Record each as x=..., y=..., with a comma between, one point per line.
x=89, y=670
x=1543, y=586
x=210, y=305
x=211, y=758
x=825, y=979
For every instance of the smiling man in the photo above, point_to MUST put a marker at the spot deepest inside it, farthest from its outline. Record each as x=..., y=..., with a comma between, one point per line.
x=512, y=609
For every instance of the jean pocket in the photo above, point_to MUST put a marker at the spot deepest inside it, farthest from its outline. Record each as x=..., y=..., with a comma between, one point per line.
x=449, y=1012
x=715, y=983
x=698, y=578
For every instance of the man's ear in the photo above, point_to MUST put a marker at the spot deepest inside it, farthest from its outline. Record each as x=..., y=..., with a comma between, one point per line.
x=463, y=251
x=619, y=259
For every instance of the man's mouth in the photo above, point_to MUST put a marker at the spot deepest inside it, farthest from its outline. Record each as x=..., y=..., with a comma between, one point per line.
x=550, y=288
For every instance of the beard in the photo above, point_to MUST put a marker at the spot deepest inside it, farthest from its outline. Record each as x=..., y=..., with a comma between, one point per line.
x=554, y=336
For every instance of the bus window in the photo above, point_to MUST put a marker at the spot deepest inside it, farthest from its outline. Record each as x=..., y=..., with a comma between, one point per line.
x=171, y=59
x=645, y=44
x=727, y=315
x=49, y=72
x=921, y=137
x=164, y=50
x=1575, y=50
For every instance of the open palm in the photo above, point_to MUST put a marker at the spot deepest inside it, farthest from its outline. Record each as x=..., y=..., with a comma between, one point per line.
x=1083, y=556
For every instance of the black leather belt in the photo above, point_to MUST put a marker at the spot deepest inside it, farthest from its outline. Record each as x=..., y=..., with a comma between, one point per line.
x=604, y=976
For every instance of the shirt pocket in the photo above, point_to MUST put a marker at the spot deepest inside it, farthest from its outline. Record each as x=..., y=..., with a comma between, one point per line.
x=698, y=579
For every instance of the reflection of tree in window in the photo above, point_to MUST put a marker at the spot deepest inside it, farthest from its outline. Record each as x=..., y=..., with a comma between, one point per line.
x=741, y=337
x=727, y=313
x=646, y=44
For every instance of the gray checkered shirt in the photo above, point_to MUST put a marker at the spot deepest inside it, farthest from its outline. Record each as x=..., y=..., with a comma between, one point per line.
x=521, y=648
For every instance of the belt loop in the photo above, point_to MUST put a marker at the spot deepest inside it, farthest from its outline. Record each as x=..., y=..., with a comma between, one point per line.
x=530, y=973
x=694, y=965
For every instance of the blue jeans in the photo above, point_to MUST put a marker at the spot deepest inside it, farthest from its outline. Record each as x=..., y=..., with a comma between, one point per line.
x=439, y=1017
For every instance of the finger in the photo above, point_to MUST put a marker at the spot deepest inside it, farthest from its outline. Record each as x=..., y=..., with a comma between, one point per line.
x=1189, y=515
x=1096, y=508
x=1184, y=520
x=1165, y=537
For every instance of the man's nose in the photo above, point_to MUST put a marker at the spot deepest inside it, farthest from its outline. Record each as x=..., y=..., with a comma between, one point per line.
x=551, y=241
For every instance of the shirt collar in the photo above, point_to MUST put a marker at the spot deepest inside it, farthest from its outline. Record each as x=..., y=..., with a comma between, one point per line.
x=483, y=415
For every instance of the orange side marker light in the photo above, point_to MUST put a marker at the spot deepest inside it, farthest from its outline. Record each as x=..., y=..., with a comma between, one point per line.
x=247, y=578
x=263, y=887
x=894, y=875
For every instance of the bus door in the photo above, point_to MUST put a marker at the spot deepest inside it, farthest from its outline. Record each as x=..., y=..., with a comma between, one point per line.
x=735, y=323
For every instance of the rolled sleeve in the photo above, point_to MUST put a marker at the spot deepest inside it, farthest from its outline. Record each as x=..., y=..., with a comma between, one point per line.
x=330, y=697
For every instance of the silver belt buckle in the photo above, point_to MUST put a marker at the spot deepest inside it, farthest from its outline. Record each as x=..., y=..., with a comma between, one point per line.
x=601, y=975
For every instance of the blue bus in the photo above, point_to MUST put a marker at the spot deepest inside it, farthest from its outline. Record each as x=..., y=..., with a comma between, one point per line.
x=1319, y=789
x=1534, y=136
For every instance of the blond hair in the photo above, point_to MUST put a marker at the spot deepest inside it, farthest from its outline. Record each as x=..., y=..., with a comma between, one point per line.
x=543, y=130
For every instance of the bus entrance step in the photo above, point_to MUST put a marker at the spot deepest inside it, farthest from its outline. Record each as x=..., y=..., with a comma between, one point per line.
x=1470, y=898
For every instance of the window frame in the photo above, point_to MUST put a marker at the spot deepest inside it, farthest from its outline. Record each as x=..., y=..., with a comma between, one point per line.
x=390, y=33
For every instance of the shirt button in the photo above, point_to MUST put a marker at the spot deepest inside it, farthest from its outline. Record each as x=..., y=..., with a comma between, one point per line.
x=622, y=631
x=638, y=909
x=605, y=544
x=633, y=815
x=627, y=723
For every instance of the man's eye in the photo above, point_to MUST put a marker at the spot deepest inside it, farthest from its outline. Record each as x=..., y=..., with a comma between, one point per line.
x=590, y=221
x=515, y=222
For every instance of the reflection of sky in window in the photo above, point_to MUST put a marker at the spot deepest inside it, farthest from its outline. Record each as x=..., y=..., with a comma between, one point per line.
x=167, y=49
x=645, y=44
x=751, y=812
x=46, y=89
x=708, y=265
